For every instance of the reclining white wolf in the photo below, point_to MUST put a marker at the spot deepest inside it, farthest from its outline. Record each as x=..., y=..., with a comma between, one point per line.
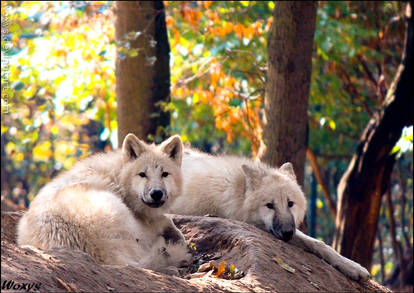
x=238, y=188
x=112, y=207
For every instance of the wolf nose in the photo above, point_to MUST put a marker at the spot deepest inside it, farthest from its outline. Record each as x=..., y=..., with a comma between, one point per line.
x=156, y=194
x=287, y=235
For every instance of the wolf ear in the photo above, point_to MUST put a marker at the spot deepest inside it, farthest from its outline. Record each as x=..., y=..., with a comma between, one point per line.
x=287, y=169
x=132, y=147
x=253, y=177
x=173, y=147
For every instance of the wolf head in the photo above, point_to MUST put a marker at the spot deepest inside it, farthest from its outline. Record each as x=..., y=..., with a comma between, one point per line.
x=275, y=201
x=151, y=175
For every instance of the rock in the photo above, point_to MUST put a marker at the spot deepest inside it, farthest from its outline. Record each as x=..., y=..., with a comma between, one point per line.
x=247, y=248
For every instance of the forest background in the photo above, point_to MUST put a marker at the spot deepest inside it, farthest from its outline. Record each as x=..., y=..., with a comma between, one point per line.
x=59, y=100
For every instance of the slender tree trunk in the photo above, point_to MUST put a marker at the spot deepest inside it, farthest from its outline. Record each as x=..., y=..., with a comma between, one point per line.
x=288, y=81
x=381, y=256
x=365, y=181
x=402, y=181
x=396, y=245
x=142, y=81
x=312, y=207
x=325, y=190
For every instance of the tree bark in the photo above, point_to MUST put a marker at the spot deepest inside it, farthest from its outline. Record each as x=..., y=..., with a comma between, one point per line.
x=368, y=174
x=142, y=84
x=287, y=88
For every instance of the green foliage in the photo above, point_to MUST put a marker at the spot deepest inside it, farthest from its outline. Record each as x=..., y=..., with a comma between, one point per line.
x=351, y=39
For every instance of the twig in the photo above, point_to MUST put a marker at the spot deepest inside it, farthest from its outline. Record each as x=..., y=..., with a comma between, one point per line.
x=367, y=70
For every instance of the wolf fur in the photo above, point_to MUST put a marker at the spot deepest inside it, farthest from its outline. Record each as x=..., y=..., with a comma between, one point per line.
x=112, y=206
x=253, y=192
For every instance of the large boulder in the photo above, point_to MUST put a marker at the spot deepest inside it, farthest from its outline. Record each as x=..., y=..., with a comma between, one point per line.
x=268, y=264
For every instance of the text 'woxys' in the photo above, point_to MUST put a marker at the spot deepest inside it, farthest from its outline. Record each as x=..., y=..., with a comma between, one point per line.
x=12, y=285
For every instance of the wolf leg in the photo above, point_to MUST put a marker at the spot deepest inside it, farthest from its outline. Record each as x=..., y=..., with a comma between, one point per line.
x=348, y=267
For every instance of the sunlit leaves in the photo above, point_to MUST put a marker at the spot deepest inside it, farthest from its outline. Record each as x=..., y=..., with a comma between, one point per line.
x=214, y=70
x=62, y=75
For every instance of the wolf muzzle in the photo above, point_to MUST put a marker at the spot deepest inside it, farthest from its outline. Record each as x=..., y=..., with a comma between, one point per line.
x=284, y=229
x=156, y=199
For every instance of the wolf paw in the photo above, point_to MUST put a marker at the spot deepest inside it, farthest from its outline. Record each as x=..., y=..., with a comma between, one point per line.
x=178, y=255
x=353, y=270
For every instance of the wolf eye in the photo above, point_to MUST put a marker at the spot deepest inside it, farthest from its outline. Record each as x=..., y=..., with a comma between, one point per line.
x=142, y=174
x=270, y=205
x=165, y=174
x=290, y=203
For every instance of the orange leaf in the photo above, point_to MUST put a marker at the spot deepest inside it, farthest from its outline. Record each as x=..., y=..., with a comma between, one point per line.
x=238, y=29
x=170, y=21
x=221, y=268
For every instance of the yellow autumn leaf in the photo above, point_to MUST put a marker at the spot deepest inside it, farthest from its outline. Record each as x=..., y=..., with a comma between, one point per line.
x=19, y=157
x=196, y=98
x=193, y=246
x=113, y=124
x=42, y=152
x=10, y=147
x=232, y=269
x=3, y=127
x=284, y=265
x=319, y=204
x=375, y=269
x=54, y=130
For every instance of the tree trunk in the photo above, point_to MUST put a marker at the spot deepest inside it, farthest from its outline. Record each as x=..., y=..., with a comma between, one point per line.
x=365, y=181
x=142, y=81
x=288, y=81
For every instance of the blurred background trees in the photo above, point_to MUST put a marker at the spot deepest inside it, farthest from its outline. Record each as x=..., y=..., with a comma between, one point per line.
x=58, y=95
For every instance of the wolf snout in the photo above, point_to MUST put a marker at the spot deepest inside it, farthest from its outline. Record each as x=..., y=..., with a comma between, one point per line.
x=287, y=235
x=156, y=195
x=155, y=198
x=283, y=228
x=284, y=235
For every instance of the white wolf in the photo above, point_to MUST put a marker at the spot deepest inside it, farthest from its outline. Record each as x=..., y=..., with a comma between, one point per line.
x=112, y=206
x=238, y=188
